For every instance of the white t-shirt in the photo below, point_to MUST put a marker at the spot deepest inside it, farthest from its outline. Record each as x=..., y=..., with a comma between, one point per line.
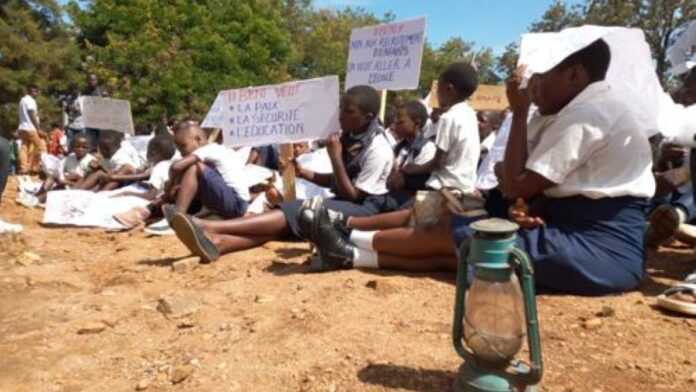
x=593, y=147
x=27, y=104
x=391, y=138
x=458, y=137
x=126, y=155
x=228, y=164
x=160, y=174
x=376, y=166
x=72, y=165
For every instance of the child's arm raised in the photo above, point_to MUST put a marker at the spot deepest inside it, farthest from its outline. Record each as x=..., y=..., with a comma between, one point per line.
x=517, y=181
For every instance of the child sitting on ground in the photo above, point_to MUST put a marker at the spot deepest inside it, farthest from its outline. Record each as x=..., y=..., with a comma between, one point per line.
x=71, y=172
x=160, y=154
x=208, y=175
x=414, y=149
x=585, y=223
x=119, y=162
x=361, y=159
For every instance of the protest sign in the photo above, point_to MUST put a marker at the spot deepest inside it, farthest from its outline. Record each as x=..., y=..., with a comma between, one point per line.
x=284, y=113
x=106, y=113
x=489, y=97
x=387, y=56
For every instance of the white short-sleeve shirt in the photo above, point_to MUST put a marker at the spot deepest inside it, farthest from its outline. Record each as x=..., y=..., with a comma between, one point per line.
x=228, y=164
x=458, y=137
x=27, y=104
x=72, y=165
x=426, y=154
x=592, y=147
x=160, y=174
x=376, y=166
x=126, y=155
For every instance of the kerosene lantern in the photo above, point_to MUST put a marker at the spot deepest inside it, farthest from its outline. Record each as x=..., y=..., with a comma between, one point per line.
x=494, y=313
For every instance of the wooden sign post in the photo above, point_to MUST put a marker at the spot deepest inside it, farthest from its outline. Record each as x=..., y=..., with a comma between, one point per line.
x=383, y=106
x=287, y=155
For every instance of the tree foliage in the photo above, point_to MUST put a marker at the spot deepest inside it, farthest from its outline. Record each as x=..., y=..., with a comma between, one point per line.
x=37, y=47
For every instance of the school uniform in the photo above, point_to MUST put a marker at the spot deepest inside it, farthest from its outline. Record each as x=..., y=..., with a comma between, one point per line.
x=457, y=135
x=160, y=175
x=368, y=159
x=126, y=155
x=72, y=165
x=222, y=185
x=592, y=240
x=419, y=151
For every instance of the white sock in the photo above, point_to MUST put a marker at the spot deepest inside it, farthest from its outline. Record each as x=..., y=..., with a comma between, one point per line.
x=681, y=214
x=362, y=239
x=364, y=258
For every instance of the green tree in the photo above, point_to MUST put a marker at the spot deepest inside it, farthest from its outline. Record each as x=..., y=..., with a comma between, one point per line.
x=174, y=56
x=507, y=61
x=37, y=47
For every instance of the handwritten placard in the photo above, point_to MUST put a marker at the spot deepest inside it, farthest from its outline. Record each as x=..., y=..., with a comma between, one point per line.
x=107, y=113
x=387, y=56
x=489, y=97
x=284, y=113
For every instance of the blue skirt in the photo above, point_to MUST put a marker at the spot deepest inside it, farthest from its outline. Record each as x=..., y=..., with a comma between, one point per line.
x=586, y=247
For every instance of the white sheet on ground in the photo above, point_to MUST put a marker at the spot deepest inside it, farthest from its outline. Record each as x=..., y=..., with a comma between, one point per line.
x=89, y=209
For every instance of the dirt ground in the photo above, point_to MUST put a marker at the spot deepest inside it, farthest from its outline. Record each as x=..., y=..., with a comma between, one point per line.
x=86, y=310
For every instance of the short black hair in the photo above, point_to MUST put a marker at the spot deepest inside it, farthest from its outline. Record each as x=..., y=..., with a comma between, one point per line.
x=595, y=58
x=162, y=145
x=32, y=85
x=111, y=139
x=79, y=136
x=366, y=98
x=416, y=111
x=463, y=76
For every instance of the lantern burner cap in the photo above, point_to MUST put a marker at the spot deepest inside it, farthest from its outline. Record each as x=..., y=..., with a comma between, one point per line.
x=495, y=226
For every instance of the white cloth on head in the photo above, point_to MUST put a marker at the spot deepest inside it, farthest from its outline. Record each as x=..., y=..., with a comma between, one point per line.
x=229, y=163
x=631, y=71
x=593, y=147
x=681, y=54
x=27, y=104
x=458, y=137
x=376, y=166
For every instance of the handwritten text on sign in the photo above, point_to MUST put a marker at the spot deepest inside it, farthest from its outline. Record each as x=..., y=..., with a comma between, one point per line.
x=489, y=97
x=107, y=113
x=386, y=57
x=284, y=113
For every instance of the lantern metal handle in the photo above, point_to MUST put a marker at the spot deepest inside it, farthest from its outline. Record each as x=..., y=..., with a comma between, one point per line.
x=525, y=273
x=525, y=374
x=459, y=300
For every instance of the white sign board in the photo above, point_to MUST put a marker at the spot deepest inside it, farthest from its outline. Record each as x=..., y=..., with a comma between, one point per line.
x=388, y=56
x=284, y=113
x=107, y=113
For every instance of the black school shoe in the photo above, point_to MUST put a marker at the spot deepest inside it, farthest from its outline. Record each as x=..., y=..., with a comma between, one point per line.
x=194, y=238
x=305, y=217
x=335, y=250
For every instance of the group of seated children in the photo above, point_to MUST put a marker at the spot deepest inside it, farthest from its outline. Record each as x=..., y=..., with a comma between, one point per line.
x=579, y=203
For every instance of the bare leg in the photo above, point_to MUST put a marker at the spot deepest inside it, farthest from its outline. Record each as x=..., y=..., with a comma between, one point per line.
x=411, y=243
x=93, y=180
x=390, y=220
x=188, y=187
x=269, y=224
x=419, y=264
x=231, y=243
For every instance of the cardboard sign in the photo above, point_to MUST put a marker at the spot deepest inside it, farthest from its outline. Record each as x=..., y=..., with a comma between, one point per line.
x=107, y=113
x=388, y=56
x=489, y=97
x=284, y=113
